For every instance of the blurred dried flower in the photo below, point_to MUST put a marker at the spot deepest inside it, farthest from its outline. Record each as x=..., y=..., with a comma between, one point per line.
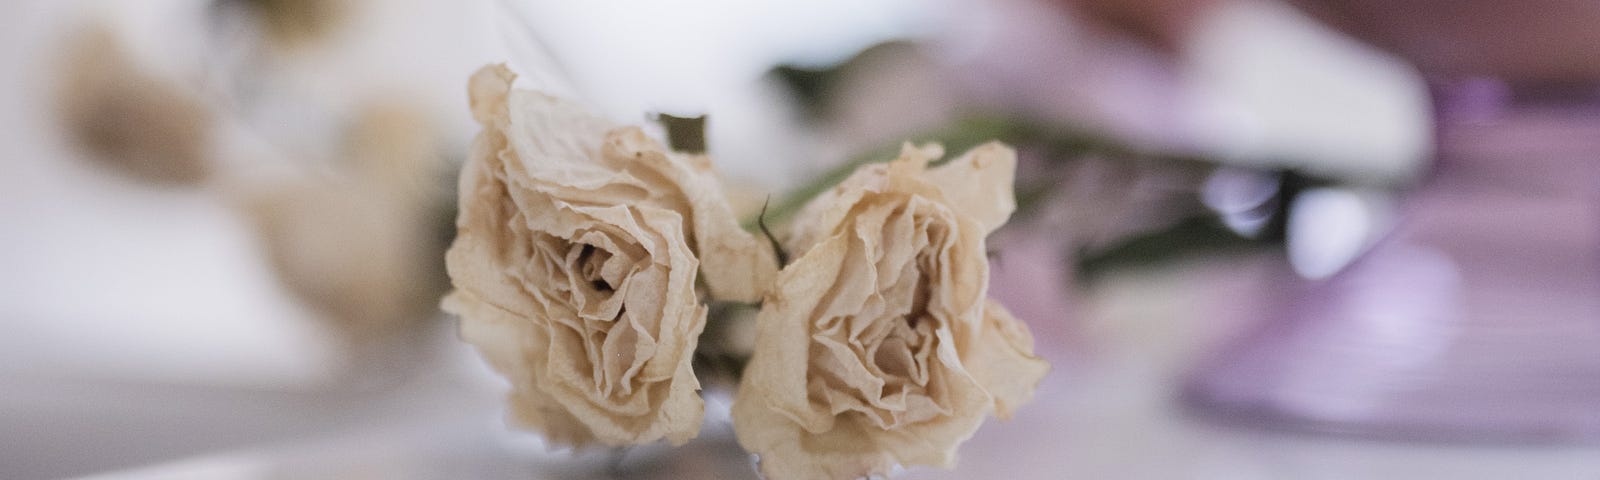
x=290, y=23
x=364, y=249
x=878, y=347
x=575, y=265
x=132, y=120
x=396, y=144
x=354, y=252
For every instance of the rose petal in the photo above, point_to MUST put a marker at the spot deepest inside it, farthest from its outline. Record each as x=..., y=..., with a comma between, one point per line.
x=978, y=184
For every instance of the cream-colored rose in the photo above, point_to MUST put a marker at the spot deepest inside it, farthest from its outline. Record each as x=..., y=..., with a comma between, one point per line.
x=877, y=347
x=577, y=250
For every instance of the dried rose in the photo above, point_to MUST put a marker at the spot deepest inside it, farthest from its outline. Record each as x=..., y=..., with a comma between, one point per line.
x=877, y=347
x=575, y=263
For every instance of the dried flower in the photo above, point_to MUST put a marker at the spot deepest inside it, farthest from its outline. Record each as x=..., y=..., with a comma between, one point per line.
x=364, y=256
x=575, y=267
x=364, y=248
x=128, y=118
x=878, y=347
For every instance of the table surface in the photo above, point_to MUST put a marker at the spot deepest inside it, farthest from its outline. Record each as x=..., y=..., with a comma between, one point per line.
x=1106, y=411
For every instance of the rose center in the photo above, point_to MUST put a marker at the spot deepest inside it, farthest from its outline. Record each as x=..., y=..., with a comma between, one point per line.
x=591, y=263
x=919, y=300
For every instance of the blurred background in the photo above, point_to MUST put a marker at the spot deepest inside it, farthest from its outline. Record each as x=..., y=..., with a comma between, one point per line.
x=1255, y=239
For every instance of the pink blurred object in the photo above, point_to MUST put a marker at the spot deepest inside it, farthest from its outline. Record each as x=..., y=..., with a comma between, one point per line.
x=1523, y=41
x=1477, y=318
x=1041, y=60
x=1030, y=275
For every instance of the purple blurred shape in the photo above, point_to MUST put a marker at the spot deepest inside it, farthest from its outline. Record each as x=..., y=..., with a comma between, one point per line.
x=1476, y=319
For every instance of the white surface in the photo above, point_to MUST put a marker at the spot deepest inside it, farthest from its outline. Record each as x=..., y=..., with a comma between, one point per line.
x=1105, y=413
x=1270, y=84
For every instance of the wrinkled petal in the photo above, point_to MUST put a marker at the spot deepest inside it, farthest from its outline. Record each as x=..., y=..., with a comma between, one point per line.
x=978, y=184
x=737, y=265
x=1003, y=361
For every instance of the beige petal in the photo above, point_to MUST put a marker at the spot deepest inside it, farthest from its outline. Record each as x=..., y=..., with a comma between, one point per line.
x=786, y=451
x=487, y=91
x=1003, y=360
x=501, y=339
x=737, y=264
x=776, y=377
x=978, y=184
